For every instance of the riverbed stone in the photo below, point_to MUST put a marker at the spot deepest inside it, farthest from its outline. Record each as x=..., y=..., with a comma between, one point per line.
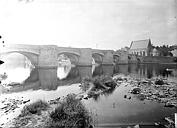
x=159, y=82
x=136, y=90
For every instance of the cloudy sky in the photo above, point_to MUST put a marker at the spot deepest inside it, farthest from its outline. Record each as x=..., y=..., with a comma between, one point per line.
x=104, y=24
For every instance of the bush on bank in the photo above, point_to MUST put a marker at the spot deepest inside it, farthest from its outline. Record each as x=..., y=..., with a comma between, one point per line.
x=28, y=111
x=71, y=113
x=100, y=82
x=34, y=108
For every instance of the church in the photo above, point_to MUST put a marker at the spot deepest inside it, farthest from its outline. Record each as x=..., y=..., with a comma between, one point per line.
x=141, y=47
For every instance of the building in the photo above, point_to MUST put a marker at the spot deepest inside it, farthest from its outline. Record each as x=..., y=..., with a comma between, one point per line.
x=174, y=52
x=141, y=48
x=155, y=52
x=125, y=49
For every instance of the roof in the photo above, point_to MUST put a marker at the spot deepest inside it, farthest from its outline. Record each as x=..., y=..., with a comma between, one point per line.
x=140, y=44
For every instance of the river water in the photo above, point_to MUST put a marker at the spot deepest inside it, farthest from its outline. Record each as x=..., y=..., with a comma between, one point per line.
x=108, y=109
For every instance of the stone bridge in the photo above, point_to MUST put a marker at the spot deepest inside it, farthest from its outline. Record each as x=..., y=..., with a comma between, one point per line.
x=47, y=55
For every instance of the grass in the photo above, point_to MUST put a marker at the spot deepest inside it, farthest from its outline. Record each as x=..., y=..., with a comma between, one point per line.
x=34, y=108
x=71, y=113
x=28, y=112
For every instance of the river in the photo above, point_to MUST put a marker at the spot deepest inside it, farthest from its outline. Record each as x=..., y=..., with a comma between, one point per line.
x=108, y=109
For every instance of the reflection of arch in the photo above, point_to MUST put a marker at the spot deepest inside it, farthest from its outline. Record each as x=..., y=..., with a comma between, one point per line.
x=138, y=59
x=74, y=72
x=98, y=57
x=74, y=57
x=34, y=76
x=33, y=57
x=98, y=71
x=129, y=57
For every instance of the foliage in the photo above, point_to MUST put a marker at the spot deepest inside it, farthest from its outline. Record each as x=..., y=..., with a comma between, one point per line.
x=34, y=108
x=165, y=50
x=70, y=113
x=26, y=114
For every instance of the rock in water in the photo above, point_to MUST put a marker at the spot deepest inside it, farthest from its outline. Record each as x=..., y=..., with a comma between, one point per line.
x=136, y=91
x=159, y=82
x=1, y=62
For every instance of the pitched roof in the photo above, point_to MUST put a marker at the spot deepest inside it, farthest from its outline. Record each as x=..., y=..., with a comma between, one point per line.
x=140, y=44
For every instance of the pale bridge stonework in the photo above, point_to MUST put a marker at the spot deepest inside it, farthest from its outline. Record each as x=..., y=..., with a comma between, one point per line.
x=47, y=55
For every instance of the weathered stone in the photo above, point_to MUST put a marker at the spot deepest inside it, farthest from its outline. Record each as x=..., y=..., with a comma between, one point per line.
x=141, y=97
x=24, y=102
x=136, y=91
x=159, y=82
x=169, y=104
x=86, y=98
x=79, y=97
x=14, y=84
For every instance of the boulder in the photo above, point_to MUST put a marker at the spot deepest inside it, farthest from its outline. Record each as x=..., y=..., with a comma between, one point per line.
x=141, y=97
x=159, y=82
x=169, y=104
x=14, y=84
x=136, y=90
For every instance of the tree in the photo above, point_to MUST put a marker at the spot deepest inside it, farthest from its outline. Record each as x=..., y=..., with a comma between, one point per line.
x=165, y=50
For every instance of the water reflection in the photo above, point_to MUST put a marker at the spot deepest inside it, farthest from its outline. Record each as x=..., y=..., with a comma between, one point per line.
x=17, y=68
x=110, y=106
x=63, y=71
x=50, y=79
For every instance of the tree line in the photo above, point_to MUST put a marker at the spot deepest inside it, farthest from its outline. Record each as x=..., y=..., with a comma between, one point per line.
x=165, y=50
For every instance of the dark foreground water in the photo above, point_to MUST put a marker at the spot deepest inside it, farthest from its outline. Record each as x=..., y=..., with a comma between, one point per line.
x=109, y=108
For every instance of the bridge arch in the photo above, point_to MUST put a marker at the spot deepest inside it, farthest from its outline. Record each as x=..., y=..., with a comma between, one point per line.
x=33, y=57
x=98, y=57
x=73, y=56
x=116, y=58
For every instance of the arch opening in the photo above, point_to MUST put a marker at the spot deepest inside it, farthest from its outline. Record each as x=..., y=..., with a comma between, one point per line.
x=67, y=58
x=30, y=56
x=98, y=58
x=116, y=58
x=17, y=68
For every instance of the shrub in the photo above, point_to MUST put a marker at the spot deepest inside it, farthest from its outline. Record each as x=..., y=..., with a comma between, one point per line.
x=103, y=82
x=71, y=113
x=34, y=108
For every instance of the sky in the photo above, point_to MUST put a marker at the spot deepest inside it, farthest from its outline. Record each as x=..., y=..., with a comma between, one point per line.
x=102, y=24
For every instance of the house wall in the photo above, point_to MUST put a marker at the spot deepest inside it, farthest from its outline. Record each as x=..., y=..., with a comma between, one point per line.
x=140, y=52
x=174, y=52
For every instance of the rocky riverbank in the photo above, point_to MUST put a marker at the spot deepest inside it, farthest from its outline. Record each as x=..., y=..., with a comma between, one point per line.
x=156, y=89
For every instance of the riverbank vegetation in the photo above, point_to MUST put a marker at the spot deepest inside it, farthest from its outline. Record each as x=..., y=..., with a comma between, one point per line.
x=71, y=113
x=68, y=113
x=34, y=108
x=100, y=85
